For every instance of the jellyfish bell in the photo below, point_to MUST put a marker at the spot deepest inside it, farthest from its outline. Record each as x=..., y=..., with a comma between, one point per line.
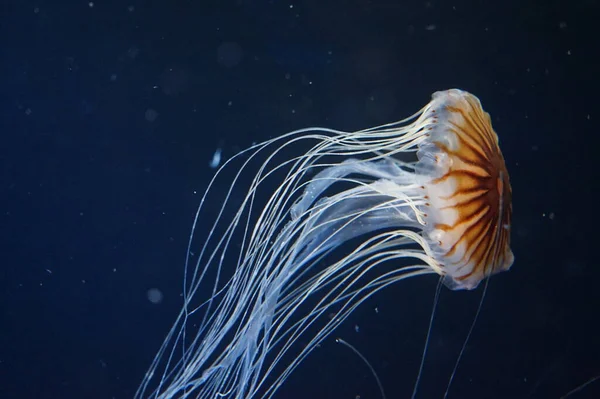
x=467, y=184
x=349, y=216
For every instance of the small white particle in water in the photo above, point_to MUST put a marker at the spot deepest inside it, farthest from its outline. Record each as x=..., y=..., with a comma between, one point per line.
x=356, y=328
x=216, y=159
x=155, y=295
x=151, y=115
x=430, y=27
x=376, y=310
x=49, y=271
x=91, y=4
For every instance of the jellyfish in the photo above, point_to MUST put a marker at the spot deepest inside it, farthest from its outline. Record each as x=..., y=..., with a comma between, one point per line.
x=325, y=220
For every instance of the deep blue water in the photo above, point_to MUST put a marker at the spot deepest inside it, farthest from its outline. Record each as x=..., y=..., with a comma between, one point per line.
x=111, y=112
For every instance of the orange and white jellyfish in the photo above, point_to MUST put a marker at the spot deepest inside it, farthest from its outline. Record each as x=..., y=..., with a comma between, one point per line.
x=317, y=233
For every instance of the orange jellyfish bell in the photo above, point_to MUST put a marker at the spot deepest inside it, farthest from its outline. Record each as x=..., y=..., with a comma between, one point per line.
x=468, y=191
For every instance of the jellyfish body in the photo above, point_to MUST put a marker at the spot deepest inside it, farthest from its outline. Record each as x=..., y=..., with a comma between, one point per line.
x=352, y=214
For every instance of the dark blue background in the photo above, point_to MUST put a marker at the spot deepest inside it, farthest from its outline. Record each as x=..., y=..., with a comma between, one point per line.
x=96, y=200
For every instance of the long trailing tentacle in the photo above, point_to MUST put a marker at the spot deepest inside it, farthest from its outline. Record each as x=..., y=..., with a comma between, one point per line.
x=277, y=245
